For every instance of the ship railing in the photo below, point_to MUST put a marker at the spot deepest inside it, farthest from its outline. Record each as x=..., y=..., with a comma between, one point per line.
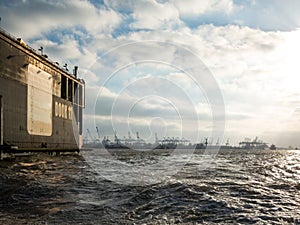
x=16, y=39
x=33, y=50
x=8, y=34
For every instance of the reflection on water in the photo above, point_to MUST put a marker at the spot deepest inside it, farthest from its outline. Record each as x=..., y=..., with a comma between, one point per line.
x=260, y=187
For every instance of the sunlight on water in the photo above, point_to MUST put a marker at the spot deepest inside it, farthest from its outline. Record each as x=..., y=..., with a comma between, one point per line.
x=238, y=187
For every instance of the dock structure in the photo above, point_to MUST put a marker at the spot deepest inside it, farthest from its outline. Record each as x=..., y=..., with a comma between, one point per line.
x=254, y=144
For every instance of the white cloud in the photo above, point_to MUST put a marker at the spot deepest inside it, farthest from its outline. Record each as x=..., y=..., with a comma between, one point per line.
x=241, y=59
x=68, y=49
x=256, y=70
x=32, y=18
x=148, y=14
x=194, y=8
x=151, y=14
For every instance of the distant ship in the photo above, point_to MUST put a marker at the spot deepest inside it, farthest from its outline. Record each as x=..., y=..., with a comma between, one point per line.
x=167, y=145
x=132, y=143
x=41, y=103
x=254, y=144
x=138, y=143
x=113, y=145
x=170, y=143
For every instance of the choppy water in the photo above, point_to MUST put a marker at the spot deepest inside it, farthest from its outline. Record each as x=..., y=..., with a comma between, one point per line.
x=246, y=187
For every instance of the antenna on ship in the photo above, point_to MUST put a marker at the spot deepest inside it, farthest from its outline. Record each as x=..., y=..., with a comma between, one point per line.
x=41, y=50
x=66, y=67
x=75, y=71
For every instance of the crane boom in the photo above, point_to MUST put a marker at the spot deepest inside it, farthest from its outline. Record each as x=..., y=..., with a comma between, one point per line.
x=90, y=135
x=98, y=132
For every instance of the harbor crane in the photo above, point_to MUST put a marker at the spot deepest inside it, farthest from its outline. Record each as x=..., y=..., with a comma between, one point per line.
x=90, y=135
x=98, y=132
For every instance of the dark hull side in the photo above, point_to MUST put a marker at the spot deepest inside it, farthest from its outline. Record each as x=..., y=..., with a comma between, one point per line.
x=23, y=121
x=14, y=106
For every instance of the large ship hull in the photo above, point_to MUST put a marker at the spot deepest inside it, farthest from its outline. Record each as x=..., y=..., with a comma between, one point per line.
x=40, y=103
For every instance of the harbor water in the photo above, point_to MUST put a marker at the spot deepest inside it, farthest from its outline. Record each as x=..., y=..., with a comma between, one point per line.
x=236, y=186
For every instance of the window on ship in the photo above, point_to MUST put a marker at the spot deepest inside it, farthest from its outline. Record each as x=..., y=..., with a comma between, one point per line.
x=70, y=90
x=81, y=97
x=75, y=93
x=63, y=87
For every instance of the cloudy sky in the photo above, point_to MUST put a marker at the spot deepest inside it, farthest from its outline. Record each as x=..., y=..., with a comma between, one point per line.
x=179, y=68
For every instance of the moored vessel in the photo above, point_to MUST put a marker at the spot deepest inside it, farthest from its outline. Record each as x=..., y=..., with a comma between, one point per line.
x=113, y=145
x=41, y=103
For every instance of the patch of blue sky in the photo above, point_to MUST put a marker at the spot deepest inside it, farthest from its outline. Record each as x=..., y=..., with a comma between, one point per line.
x=266, y=15
x=82, y=36
x=122, y=7
x=217, y=19
x=162, y=1
x=79, y=33
x=124, y=10
x=32, y=40
x=270, y=15
x=56, y=35
x=97, y=3
x=124, y=28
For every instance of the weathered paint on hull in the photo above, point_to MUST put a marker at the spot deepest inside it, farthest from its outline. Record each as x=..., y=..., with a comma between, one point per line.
x=26, y=120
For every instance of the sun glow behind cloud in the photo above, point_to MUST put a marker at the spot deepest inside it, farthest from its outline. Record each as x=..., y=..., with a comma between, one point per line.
x=251, y=47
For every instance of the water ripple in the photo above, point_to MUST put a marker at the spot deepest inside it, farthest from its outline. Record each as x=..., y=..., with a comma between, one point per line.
x=240, y=187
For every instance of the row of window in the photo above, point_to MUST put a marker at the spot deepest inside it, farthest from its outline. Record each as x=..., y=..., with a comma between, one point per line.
x=63, y=111
x=71, y=91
